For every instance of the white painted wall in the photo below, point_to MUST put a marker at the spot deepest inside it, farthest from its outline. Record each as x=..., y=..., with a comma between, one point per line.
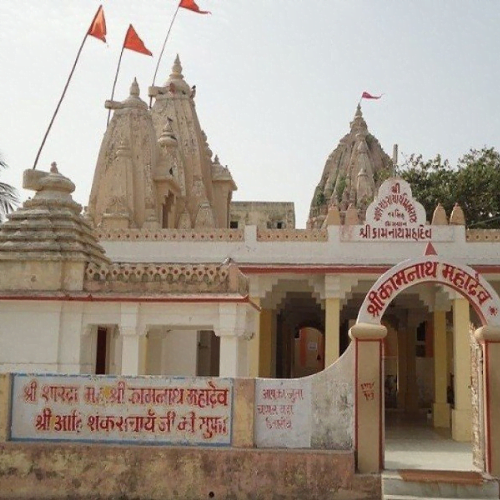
x=448, y=240
x=60, y=337
x=29, y=336
x=179, y=352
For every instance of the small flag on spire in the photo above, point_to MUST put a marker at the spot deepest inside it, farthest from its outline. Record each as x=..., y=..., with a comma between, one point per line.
x=367, y=95
x=98, y=26
x=133, y=42
x=191, y=5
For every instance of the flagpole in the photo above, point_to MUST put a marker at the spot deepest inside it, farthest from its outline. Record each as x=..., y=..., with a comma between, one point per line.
x=116, y=77
x=163, y=49
x=60, y=100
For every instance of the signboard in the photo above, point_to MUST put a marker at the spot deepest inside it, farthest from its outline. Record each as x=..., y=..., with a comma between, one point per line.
x=283, y=413
x=395, y=216
x=175, y=410
x=431, y=268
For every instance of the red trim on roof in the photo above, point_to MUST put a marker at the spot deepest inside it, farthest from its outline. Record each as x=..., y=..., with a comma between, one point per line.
x=341, y=269
x=93, y=298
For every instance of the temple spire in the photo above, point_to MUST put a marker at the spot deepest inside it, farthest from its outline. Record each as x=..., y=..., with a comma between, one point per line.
x=349, y=173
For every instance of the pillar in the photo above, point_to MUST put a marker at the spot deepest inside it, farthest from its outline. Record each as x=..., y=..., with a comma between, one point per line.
x=368, y=413
x=440, y=408
x=411, y=399
x=461, y=415
x=265, y=342
x=133, y=341
x=5, y=406
x=402, y=364
x=232, y=355
x=254, y=345
x=134, y=349
x=489, y=337
x=235, y=329
x=332, y=330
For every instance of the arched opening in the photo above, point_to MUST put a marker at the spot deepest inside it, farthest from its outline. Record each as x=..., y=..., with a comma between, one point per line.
x=300, y=345
x=291, y=331
x=309, y=352
x=371, y=337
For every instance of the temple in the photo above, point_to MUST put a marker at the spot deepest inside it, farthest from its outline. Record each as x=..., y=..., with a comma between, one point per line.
x=164, y=274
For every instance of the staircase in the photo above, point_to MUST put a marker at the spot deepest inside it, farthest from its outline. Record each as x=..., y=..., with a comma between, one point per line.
x=433, y=485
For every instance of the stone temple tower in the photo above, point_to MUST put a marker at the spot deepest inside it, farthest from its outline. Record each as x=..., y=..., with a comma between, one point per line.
x=352, y=173
x=155, y=168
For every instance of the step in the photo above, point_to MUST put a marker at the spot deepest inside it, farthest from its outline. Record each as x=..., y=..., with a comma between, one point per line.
x=405, y=497
x=411, y=484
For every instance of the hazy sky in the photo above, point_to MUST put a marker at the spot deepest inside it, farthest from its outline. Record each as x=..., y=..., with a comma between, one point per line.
x=277, y=81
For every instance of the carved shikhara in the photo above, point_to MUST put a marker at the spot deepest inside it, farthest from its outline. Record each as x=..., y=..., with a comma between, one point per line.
x=164, y=278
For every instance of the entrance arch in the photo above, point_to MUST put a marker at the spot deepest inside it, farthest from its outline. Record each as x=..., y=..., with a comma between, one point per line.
x=368, y=334
x=431, y=269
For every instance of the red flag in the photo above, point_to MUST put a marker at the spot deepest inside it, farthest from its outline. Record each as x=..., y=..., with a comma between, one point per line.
x=191, y=5
x=98, y=25
x=133, y=42
x=367, y=95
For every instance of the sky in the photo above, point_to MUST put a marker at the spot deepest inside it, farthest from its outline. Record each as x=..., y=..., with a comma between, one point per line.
x=277, y=81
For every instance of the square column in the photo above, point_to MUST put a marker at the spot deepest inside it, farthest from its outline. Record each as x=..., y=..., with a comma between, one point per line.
x=133, y=341
x=402, y=365
x=368, y=411
x=235, y=329
x=233, y=356
x=260, y=347
x=489, y=337
x=254, y=345
x=332, y=330
x=266, y=342
x=440, y=408
x=134, y=348
x=336, y=287
x=461, y=415
x=411, y=399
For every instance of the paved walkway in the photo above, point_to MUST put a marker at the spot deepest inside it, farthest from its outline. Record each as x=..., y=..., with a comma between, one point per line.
x=412, y=443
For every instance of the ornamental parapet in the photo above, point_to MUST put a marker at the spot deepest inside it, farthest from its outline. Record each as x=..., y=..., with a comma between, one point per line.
x=292, y=234
x=483, y=235
x=164, y=278
x=170, y=235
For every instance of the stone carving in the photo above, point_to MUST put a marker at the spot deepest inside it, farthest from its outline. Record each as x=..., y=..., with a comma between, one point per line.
x=159, y=157
x=45, y=244
x=479, y=235
x=292, y=235
x=205, y=191
x=128, y=147
x=171, y=235
x=118, y=277
x=149, y=193
x=350, y=173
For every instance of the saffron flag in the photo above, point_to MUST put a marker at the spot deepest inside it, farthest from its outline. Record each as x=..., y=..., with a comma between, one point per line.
x=367, y=95
x=191, y=5
x=98, y=25
x=133, y=42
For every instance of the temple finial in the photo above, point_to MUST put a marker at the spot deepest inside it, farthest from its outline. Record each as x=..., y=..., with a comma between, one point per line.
x=177, y=67
x=358, y=123
x=134, y=88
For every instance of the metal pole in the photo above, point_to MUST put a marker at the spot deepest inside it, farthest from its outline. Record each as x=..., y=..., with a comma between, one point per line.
x=116, y=76
x=163, y=48
x=60, y=100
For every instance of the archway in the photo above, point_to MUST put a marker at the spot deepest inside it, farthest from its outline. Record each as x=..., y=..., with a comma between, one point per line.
x=369, y=333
